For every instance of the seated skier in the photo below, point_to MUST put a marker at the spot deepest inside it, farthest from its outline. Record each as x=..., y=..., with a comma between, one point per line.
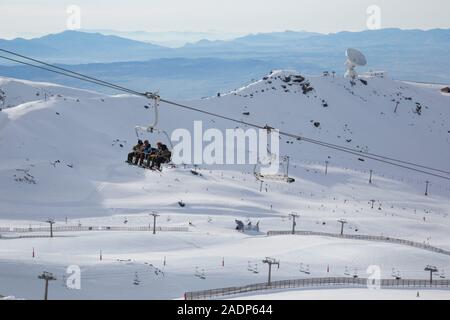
x=146, y=151
x=134, y=154
x=163, y=155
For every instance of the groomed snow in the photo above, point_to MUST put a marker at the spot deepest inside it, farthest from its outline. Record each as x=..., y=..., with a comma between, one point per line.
x=64, y=158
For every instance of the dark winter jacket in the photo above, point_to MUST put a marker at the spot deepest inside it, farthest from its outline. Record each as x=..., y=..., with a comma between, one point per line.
x=148, y=149
x=137, y=147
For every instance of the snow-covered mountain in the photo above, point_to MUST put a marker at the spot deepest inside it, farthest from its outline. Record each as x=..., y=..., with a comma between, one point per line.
x=88, y=135
x=15, y=92
x=62, y=156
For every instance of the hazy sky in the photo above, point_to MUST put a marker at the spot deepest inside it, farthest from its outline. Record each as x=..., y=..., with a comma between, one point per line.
x=21, y=17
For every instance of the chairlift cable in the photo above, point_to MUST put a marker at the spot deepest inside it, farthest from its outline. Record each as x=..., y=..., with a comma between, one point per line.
x=99, y=82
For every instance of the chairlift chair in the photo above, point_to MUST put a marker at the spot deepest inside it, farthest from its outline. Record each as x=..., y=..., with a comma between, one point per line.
x=307, y=271
x=274, y=177
x=346, y=272
x=249, y=267
x=301, y=267
x=153, y=127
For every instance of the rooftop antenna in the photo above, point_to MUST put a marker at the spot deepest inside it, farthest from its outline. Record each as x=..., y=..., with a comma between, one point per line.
x=355, y=58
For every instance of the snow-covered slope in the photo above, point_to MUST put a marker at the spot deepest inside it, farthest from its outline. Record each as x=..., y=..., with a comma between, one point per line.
x=15, y=92
x=64, y=157
x=70, y=147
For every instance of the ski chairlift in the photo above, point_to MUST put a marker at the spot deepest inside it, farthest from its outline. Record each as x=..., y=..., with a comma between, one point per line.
x=153, y=128
x=307, y=271
x=272, y=158
x=200, y=275
x=274, y=177
x=396, y=274
x=252, y=267
x=346, y=272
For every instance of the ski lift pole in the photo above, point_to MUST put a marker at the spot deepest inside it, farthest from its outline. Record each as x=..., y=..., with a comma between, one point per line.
x=46, y=276
x=155, y=215
x=51, y=222
x=270, y=262
x=157, y=99
x=294, y=223
x=431, y=269
x=342, y=222
x=287, y=166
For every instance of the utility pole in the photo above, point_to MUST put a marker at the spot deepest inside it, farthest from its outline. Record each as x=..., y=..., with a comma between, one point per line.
x=51, y=222
x=46, y=276
x=294, y=216
x=432, y=270
x=370, y=178
x=342, y=222
x=326, y=167
x=154, y=214
x=270, y=262
x=426, y=188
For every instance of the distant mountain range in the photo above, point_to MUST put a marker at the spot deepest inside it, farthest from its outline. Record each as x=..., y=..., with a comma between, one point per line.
x=171, y=39
x=210, y=65
x=178, y=78
x=85, y=47
x=82, y=47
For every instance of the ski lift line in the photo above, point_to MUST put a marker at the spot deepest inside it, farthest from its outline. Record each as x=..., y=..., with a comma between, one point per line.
x=356, y=152
x=120, y=275
x=154, y=96
x=65, y=74
x=321, y=143
x=98, y=81
x=422, y=82
x=383, y=161
x=148, y=271
x=361, y=153
x=69, y=71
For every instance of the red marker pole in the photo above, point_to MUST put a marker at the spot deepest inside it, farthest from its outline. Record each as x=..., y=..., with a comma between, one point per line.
x=223, y=262
x=101, y=256
x=33, y=253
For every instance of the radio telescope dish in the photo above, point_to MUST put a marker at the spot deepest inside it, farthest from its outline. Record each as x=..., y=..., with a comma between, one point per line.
x=355, y=58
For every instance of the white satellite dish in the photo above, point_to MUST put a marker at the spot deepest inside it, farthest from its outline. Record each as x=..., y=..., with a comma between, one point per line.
x=355, y=58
